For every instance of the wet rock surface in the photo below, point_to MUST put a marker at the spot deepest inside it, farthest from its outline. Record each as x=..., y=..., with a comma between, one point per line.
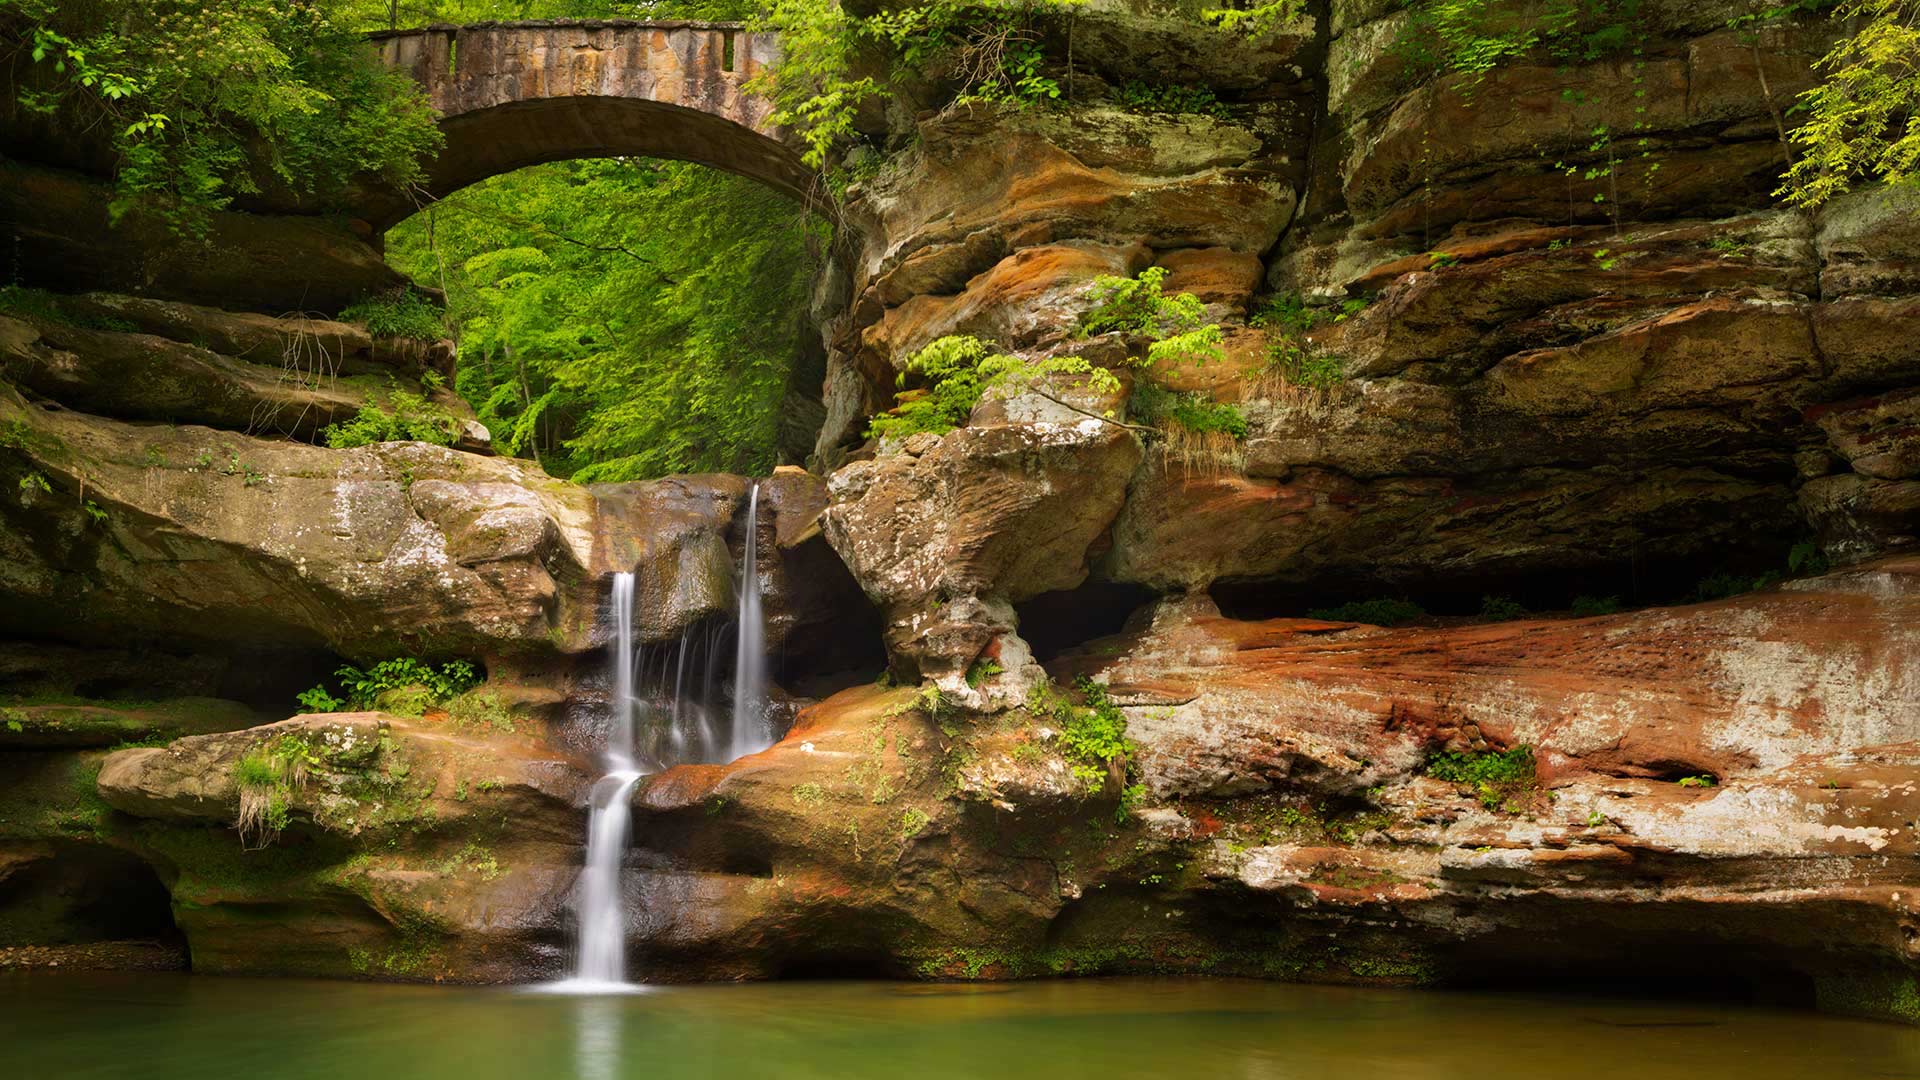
x=1539, y=386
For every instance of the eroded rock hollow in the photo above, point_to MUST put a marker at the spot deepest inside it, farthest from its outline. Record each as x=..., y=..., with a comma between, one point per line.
x=1630, y=485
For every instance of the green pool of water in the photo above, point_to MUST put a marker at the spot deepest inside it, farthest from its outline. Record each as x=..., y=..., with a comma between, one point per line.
x=167, y=1026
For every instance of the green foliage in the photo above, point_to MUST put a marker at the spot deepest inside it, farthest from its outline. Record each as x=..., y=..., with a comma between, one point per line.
x=1803, y=559
x=1148, y=98
x=1720, y=584
x=318, y=700
x=1137, y=305
x=951, y=367
x=1258, y=21
x=1379, y=612
x=1095, y=735
x=1499, y=779
x=984, y=51
x=401, y=313
x=1473, y=37
x=1702, y=780
x=1291, y=357
x=361, y=689
x=256, y=769
x=1501, y=608
x=1483, y=767
x=980, y=671
x=481, y=710
x=1092, y=736
x=623, y=319
x=408, y=417
x=1586, y=606
x=1199, y=415
x=1863, y=120
x=913, y=821
x=1806, y=558
x=1191, y=412
x=958, y=369
x=202, y=100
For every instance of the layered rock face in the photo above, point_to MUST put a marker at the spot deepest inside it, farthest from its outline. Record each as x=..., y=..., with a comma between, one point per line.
x=1722, y=786
x=1541, y=392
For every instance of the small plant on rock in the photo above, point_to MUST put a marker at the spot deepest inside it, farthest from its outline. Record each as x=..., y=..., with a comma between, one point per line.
x=318, y=700
x=417, y=681
x=981, y=671
x=408, y=417
x=399, y=312
x=1499, y=779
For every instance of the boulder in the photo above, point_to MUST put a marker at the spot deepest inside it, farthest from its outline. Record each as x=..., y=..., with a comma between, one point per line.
x=385, y=849
x=946, y=532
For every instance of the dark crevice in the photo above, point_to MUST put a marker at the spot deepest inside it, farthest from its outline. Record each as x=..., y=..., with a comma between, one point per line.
x=83, y=893
x=1055, y=622
x=1630, y=583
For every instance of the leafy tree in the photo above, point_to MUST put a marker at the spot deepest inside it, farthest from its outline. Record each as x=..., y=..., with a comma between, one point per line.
x=620, y=319
x=1863, y=120
x=986, y=50
x=207, y=99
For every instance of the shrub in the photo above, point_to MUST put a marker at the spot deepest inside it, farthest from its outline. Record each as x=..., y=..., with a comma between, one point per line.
x=409, y=418
x=1143, y=97
x=982, y=670
x=1585, y=606
x=1501, y=608
x=481, y=710
x=400, y=313
x=1379, y=612
x=363, y=689
x=1499, y=779
x=317, y=700
x=951, y=366
x=1292, y=360
x=1136, y=305
x=1092, y=736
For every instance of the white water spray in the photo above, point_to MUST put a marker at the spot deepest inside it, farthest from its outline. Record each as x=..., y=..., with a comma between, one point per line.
x=751, y=731
x=600, y=964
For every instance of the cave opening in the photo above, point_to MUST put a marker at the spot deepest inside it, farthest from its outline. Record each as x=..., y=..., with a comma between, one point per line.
x=1641, y=969
x=81, y=894
x=1057, y=622
x=1620, y=585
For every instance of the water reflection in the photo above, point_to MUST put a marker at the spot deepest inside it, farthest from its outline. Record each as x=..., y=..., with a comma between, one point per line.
x=81, y=1026
x=596, y=1041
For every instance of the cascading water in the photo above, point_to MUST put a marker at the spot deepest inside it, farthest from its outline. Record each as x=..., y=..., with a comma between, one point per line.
x=600, y=965
x=687, y=734
x=751, y=732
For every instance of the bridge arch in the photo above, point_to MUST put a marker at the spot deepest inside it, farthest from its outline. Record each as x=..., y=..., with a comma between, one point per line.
x=513, y=94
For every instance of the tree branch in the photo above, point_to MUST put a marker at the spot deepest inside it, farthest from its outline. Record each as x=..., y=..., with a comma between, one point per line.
x=1096, y=416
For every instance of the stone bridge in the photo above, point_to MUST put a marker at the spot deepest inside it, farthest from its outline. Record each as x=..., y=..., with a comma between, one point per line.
x=512, y=94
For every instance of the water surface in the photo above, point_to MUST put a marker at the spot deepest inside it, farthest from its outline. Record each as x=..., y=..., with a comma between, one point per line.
x=166, y=1026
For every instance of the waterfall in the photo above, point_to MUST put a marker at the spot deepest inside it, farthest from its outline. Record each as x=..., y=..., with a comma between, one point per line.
x=681, y=730
x=751, y=731
x=600, y=963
